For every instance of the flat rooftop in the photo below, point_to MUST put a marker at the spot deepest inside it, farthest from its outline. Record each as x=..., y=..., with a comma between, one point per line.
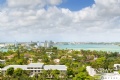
x=55, y=67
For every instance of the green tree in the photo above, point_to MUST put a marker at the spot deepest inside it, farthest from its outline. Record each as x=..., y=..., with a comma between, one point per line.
x=18, y=73
x=99, y=63
x=55, y=50
x=45, y=59
x=80, y=76
x=18, y=53
x=20, y=61
x=70, y=72
x=55, y=74
x=10, y=71
x=1, y=65
x=43, y=75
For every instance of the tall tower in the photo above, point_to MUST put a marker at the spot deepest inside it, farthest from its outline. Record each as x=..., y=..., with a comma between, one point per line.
x=16, y=44
x=38, y=43
x=45, y=44
x=51, y=43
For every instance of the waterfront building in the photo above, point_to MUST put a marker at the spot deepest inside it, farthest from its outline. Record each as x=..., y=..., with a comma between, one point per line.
x=42, y=44
x=38, y=43
x=51, y=43
x=46, y=44
x=16, y=44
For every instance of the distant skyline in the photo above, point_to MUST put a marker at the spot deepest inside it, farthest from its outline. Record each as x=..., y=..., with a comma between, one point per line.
x=60, y=20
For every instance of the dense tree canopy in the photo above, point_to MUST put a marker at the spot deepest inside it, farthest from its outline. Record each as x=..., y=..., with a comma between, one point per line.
x=76, y=62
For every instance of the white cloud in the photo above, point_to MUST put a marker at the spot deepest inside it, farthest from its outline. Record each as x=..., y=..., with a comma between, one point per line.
x=32, y=3
x=29, y=20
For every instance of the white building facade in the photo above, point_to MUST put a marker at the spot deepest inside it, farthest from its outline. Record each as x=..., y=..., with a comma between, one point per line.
x=36, y=68
x=91, y=71
x=117, y=66
x=110, y=76
x=104, y=75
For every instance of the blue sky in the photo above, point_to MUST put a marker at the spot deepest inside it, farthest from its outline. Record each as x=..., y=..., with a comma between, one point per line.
x=75, y=5
x=63, y=20
x=2, y=1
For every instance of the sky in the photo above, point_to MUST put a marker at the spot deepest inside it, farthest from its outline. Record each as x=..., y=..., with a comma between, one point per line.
x=60, y=20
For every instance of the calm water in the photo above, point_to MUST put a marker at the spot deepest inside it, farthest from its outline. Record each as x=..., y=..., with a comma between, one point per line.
x=98, y=47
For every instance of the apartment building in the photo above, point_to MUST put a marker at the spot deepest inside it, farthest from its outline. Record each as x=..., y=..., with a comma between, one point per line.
x=36, y=68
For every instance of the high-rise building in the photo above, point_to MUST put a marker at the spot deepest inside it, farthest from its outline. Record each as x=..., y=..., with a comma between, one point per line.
x=38, y=43
x=51, y=43
x=16, y=44
x=46, y=44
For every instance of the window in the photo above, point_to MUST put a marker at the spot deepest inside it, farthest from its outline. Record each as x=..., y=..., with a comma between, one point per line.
x=35, y=68
x=28, y=67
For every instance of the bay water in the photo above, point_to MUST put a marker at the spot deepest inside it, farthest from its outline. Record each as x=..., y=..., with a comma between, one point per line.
x=98, y=47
